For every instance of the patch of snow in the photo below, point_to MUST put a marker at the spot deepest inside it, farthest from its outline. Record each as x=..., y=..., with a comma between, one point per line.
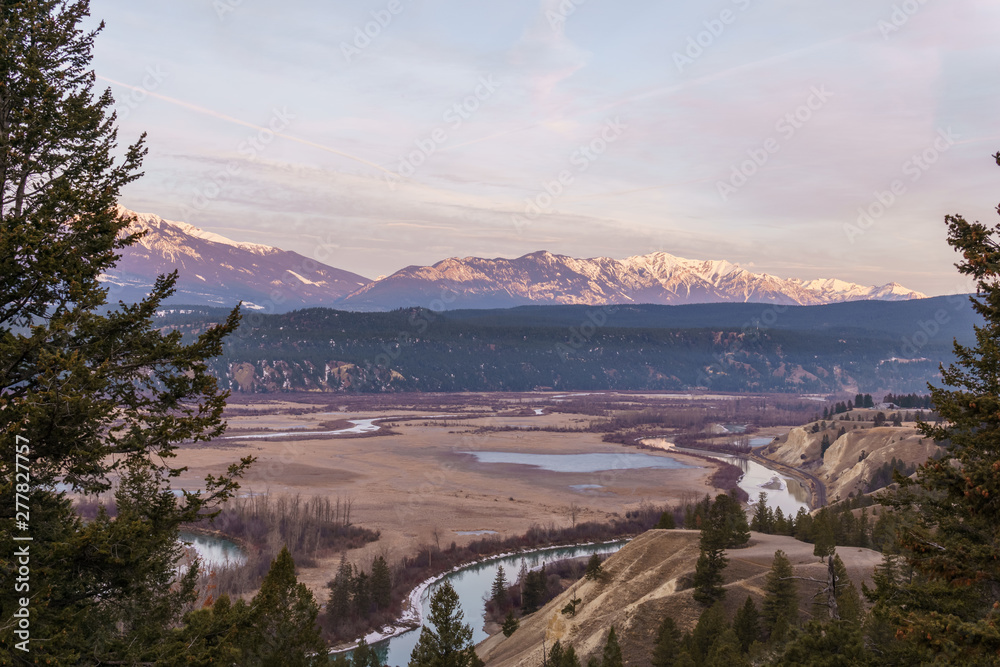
x=303, y=279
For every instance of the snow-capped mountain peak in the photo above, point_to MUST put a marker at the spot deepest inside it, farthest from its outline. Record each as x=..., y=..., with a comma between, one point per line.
x=659, y=277
x=180, y=230
x=216, y=270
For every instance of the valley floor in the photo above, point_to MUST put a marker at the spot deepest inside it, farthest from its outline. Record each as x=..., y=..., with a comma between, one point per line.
x=419, y=485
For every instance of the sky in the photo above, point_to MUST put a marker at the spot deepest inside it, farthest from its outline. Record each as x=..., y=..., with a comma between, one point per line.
x=805, y=140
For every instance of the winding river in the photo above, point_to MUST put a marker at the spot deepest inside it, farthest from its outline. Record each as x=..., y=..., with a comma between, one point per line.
x=782, y=490
x=788, y=494
x=473, y=583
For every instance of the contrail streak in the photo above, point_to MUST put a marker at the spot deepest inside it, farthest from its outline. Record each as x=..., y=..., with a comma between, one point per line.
x=237, y=121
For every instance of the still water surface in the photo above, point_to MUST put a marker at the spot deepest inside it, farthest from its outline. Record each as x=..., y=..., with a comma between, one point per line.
x=581, y=462
x=214, y=551
x=789, y=499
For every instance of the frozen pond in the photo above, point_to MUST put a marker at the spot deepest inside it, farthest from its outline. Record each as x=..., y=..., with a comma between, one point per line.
x=360, y=426
x=214, y=551
x=585, y=488
x=581, y=462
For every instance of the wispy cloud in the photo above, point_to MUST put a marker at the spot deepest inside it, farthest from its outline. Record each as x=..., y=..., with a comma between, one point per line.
x=335, y=170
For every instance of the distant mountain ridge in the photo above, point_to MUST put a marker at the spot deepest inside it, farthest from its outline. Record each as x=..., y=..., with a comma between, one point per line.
x=215, y=270
x=657, y=278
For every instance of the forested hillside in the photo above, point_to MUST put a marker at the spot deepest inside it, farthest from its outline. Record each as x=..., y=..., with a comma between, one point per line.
x=869, y=346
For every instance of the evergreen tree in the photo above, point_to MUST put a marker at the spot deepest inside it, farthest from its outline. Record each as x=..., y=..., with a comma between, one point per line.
x=763, y=518
x=803, y=526
x=726, y=651
x=666, y=521
x=569, y=658
x=338, y=608
x=361, y=597
x=612, y=655
x=780, y=609
x=449, y=643
x=364, y=656
x=283, y=620
x=381, y=583
x=725, y=526
x=848, y=599
x=833, y=644
x=88, y=397
x=594, y=569
x=211, y=635
x=690, y=520
x=668, y=644
x=555, y=656
x=728, y=519
x=708, y=575
x=711, y=625
x=780, y=523
x=747, y=624
x=824, y=543
x=948, y=528
x=684, y=659
x=861, y=535
x=510, y=624
x=499, y=591
x=535, y=586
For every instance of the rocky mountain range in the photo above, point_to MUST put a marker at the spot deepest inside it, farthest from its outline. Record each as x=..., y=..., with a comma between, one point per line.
x=215, y=270
x=545, y=278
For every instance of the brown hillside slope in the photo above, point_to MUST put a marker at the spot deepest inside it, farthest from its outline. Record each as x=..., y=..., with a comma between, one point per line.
x=650, y=579
x=853, y=457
